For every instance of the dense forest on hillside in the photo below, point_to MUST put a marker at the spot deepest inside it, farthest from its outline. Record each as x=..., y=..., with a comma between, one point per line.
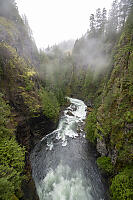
x=97, y=68
x=22, y=97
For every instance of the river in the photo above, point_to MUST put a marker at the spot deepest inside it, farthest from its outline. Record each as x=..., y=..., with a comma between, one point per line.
x=64, y=162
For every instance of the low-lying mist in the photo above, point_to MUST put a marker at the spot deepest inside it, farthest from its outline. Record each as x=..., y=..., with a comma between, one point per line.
x=91, y=53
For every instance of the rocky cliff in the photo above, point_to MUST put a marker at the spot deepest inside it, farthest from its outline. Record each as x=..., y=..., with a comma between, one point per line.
x=22, y=122
x=110, y=125
x=115, y=114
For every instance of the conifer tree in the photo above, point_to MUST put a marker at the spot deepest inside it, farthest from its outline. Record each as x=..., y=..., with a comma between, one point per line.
x=112, y=25
x=124, y=8
x=98, y=18
x=104, y=20
x=92, y=25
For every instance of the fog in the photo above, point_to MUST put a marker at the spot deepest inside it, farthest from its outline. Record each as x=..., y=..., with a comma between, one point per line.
x=55, y=21
x=91, y=53
x=87, y=53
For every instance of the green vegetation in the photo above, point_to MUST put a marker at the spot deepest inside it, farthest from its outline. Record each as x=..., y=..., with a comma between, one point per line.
x=4, y=115
x=12, y=156
x=111, y=121
x=122, y=185
x=21, y=96
x=90, y=127
x=55, y=70
x=21, y=80
x=104, y=163
x=50, y=105
x=8, y=28
x=115, y=114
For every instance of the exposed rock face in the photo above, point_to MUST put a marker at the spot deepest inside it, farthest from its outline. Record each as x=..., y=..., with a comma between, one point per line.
x=115, y=114
x=70, y=113
x=29, y=132
x=15, y=34
x=101, y=147
x=29, y=190
x=89, y=104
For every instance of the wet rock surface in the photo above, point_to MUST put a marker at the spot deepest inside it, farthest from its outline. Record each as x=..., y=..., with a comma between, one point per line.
x=29, y=132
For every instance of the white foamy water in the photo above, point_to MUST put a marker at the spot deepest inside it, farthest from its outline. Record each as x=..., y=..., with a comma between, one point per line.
x=62, y=184
x=71, y=122
x=62, y=167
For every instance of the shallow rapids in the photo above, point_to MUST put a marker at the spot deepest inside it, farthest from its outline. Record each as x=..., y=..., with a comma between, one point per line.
x=64, y=162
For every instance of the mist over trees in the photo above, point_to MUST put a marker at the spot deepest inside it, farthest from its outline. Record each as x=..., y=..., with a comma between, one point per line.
x=102, y=25
x=69, y=69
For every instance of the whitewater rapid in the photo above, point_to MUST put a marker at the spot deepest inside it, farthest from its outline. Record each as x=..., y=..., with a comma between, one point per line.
x=64, y=162
x=71, y=123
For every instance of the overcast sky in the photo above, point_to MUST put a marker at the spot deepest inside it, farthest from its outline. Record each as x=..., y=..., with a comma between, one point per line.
x=53, y=21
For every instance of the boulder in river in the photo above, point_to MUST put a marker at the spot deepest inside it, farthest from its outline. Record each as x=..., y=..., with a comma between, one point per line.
x=89, y=104
x=70, y=113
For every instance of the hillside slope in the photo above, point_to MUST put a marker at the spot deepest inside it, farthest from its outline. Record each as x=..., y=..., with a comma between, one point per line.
x=27, y=111
x=111, y=124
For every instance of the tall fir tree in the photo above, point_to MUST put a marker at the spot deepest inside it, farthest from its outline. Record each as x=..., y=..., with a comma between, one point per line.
x=124, y=8
x=92, y=26
x=98, y=17
x=112, y=25
x=104, y=21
